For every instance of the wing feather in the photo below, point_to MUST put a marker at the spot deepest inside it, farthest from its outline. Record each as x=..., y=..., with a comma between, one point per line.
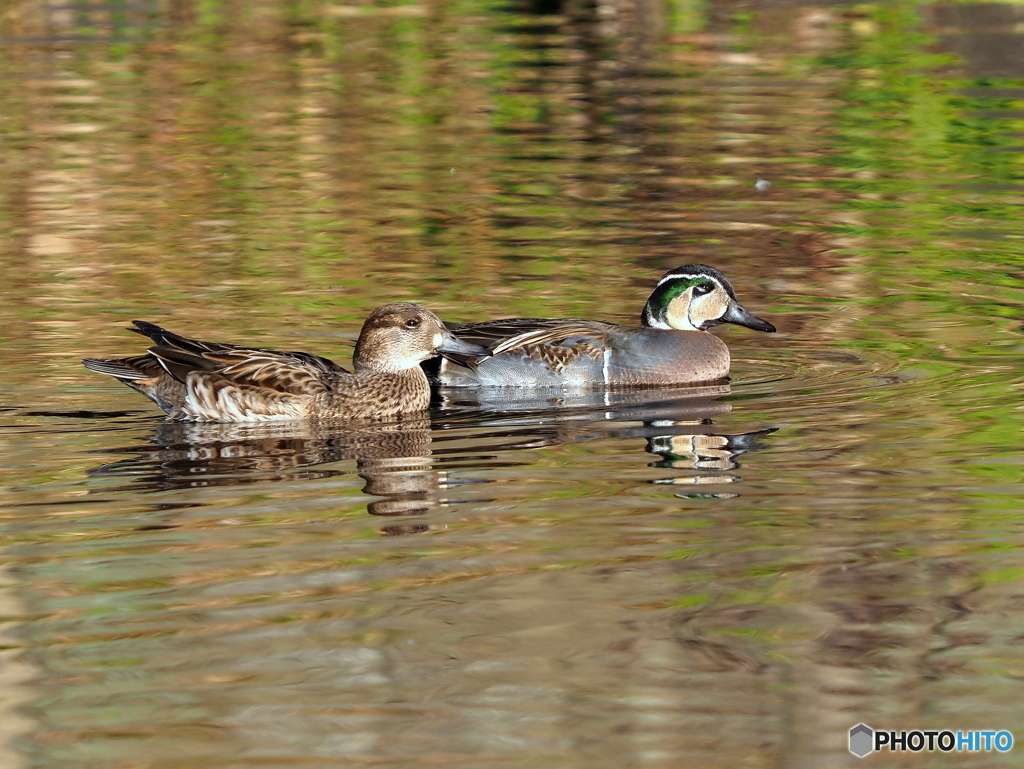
x=548, y=336
x=497, y=333
x=295, y=373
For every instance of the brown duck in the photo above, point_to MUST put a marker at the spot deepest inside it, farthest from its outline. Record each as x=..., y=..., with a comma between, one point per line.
x=197, y=381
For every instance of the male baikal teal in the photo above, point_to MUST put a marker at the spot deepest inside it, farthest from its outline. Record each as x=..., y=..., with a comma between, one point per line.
x=671, y=347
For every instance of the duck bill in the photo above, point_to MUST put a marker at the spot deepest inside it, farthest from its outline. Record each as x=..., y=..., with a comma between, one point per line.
x=452, y=345
x=738, y=315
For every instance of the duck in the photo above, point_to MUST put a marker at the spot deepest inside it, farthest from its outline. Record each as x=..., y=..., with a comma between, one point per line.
x=672, y=346
x=195, y=381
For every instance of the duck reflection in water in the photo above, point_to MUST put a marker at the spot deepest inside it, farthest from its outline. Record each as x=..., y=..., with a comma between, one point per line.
x=701, y=451
x=408, y=465
x=675, y=422
x=393, y=458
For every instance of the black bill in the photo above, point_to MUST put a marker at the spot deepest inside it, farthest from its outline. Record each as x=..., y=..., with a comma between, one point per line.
x=736, y=314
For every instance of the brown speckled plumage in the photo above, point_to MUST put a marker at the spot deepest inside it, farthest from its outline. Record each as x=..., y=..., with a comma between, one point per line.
x=211, y=382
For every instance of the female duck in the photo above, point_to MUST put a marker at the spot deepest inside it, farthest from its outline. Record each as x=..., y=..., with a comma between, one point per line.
x=671, y=347
x=197, y=381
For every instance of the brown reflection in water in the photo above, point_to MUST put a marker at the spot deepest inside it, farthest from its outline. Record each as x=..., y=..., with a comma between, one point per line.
x=16, y=673
x=399, y=460
x=394, y=459
x=987, y=35
x=675, y=423
x=701, y=451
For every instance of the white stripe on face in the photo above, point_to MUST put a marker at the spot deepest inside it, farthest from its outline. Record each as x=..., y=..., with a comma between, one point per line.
x=681, y=275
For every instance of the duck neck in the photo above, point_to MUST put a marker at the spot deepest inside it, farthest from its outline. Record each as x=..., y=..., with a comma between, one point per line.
x=657, y=317
x=361, y=361
x=365, y=366
x=372, y=359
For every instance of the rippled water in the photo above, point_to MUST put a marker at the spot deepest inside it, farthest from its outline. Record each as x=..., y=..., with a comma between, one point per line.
x=717, y=576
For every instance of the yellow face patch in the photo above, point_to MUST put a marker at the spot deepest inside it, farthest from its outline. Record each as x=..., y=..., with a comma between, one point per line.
x=709, y=307
x=692, y=312
x=678, y=311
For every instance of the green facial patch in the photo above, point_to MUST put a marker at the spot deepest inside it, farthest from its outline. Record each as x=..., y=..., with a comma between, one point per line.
x=663, y=295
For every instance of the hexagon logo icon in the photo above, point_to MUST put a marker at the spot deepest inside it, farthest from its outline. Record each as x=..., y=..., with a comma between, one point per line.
x=862, y=740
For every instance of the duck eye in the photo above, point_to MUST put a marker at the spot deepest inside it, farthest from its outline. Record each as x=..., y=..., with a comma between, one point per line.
x=412, y=323
x=702, y=288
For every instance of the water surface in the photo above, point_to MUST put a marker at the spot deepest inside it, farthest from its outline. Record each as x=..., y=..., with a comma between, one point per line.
x=719, y=576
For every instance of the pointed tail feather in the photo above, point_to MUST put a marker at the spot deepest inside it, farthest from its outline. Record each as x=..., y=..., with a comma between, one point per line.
x=162, y=336
x=130, y=369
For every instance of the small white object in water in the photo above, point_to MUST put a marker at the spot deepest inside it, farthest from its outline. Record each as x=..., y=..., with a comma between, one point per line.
x=762, y=185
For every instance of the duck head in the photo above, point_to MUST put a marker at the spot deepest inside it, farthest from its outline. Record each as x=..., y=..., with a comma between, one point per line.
x=399, y=336
x=696, y=297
